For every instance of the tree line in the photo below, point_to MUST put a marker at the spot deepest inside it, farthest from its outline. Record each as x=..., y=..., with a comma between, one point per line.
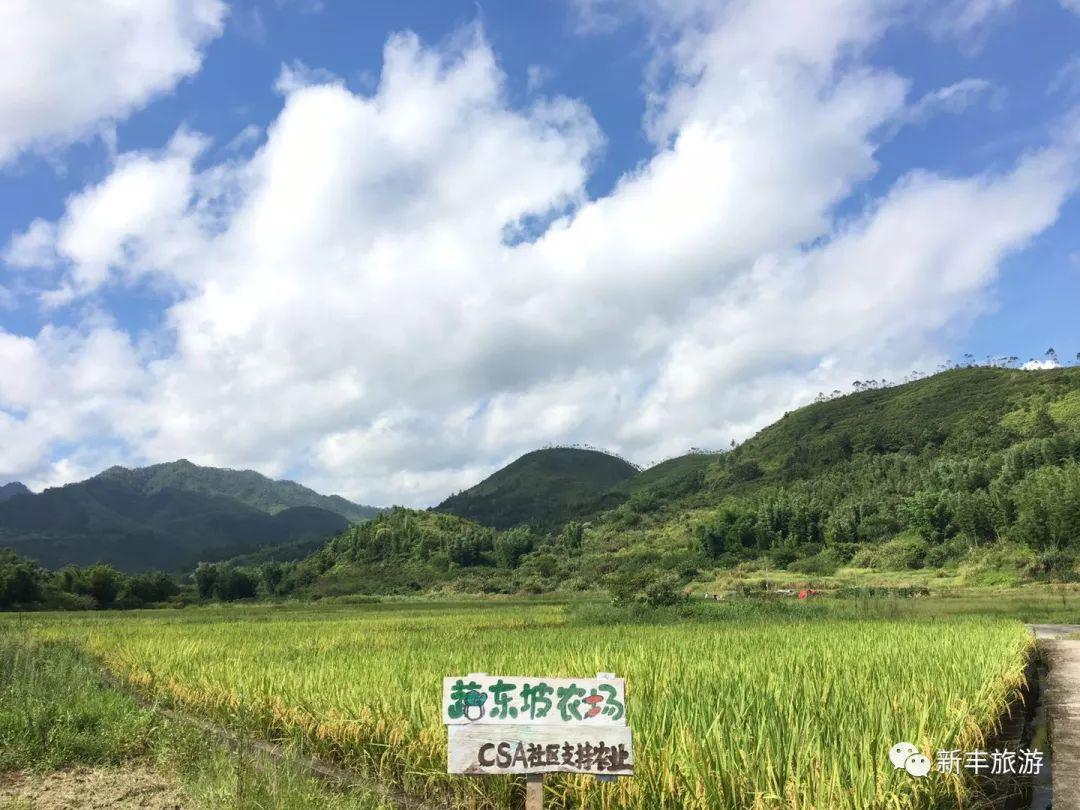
x=1050, y=358
x=26, y=585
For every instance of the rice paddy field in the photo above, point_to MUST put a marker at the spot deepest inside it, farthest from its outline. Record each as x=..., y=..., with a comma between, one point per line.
x=754, y=712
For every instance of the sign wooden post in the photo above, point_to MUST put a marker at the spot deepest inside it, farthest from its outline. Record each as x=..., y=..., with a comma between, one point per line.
x=535, y=725
x=534, y=791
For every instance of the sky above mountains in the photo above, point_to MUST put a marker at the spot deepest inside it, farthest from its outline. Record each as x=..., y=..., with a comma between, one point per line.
x=385, y=247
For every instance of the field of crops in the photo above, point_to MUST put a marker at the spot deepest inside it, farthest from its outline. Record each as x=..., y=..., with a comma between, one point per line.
x=759, y=712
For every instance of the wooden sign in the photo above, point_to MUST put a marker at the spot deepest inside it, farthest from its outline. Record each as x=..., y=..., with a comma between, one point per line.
x=550, y=701
x=498, y=748
x=530, y=725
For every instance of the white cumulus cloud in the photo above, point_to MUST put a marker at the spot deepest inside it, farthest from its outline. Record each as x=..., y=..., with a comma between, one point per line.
x=71, y=66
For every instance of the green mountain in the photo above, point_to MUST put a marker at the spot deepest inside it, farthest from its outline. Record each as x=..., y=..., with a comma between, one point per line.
x=675, y=476
x=543, y=487
x=8, y=491
x=974, y=469
x=167, y=516
x=246, y=486
x=974, y=414
x=549, y=487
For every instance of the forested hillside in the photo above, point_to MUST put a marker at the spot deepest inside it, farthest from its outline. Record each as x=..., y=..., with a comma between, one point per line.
x=956, y=461
x=164, y=517
x=247, y=486
x=974, y=466
x=544, y=487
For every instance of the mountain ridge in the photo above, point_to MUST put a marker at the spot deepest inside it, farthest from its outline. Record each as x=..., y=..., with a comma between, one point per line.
x=247, y=486
x=13, y=489
x=168, y=516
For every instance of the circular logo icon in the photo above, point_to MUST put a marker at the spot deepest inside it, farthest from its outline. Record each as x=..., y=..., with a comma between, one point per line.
x=917, y=765
x=899, y=753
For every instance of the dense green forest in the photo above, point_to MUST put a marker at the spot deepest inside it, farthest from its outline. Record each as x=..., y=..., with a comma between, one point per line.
x=940, y=467
x=26, y=585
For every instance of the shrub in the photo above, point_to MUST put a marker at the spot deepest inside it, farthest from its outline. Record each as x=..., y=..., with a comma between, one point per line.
x=155, y=586
x=663, y=591
x=782, y=557
x=1056, y=566
x=206, y=576
x=865, y=557
x=234, y=583
x=902, y=553
x=646, y=589
x=823, y=563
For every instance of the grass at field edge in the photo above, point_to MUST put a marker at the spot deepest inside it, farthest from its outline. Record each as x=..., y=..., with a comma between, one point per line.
x=57, y=710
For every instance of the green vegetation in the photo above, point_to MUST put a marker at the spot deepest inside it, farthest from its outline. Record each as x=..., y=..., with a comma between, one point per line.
x=24, y=585
x=739, y=715
x=927, y=474
x=669, y=479
x=923, y=512
x=406, y=551
x=278, y=553
x=57, y=710
x=544, y=487
x=400, y=551
x=168, y=516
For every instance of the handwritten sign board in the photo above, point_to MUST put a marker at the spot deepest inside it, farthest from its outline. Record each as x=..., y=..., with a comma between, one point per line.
x=529, y=725
x=550, y=701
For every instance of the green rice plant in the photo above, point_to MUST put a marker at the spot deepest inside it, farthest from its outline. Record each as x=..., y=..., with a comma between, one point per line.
x=759, y=712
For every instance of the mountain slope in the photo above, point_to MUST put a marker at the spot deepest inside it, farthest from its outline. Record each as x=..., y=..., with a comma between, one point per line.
x=674, y=476
x=543, y=487
x=117, y=518
x=966, y=412
x=8, y=491
x=246, y=486
x=931, y=472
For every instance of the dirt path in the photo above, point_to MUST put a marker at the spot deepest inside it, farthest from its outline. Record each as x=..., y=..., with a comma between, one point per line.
x=84, y=788
x=1062, y=703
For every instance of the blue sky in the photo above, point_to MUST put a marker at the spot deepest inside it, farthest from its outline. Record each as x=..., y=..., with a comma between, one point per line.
x=287, y=235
